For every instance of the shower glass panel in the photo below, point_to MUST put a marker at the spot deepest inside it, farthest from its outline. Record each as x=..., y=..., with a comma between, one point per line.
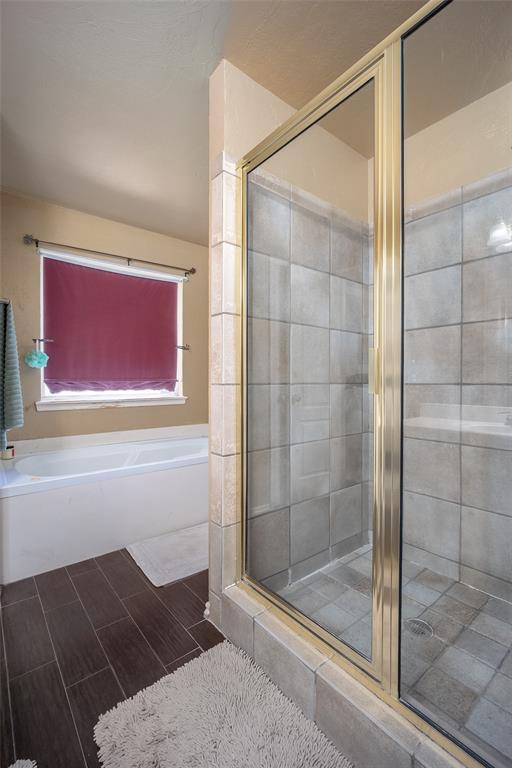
x=456, y=629
x=309, y=412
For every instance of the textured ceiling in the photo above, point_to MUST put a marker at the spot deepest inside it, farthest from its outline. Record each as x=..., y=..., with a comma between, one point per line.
x=105, y=104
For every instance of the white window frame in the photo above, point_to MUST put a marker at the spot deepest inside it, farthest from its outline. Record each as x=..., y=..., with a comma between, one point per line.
x=58, y=402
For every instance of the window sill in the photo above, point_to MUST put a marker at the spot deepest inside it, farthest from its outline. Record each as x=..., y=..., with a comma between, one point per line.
x=60, y=404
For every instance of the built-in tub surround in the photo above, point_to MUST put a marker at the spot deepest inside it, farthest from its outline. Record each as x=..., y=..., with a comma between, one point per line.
x=61, y=506
x=457, y=386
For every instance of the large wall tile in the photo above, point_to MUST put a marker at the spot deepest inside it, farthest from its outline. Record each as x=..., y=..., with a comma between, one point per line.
x=225, y=262
x=425, y=518
x=310, y=463
x=346, y=409
x=346, y=461
x=268, y=352
x=432, y=356
x=309, y=296
x=288, y=660
x=487, y=479
x=433, y=298
x=486, y=542
x=223, y=209
x=310, y=412
x=268, y=480
x=346, y=357
x=487, y=288
x=268, y=287
x=432, y=468
x=346, y=251
x=309, y=239
x=309, y=528
x=224, y=419
x=368, y=265
x=346, y=513
x=499, y=395
x=268, y=225
x=346, y=303
x=225, y=349
x=309, y=355
x=238, y=612
x=224, y=488
x=268, y=543
x=479, y=216
x=309, y=565
x=487, y=353
x=268, y=416
x=434, y=241
x=421, y=557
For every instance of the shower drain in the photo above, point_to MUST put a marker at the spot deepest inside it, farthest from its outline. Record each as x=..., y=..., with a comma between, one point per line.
x=419, y=627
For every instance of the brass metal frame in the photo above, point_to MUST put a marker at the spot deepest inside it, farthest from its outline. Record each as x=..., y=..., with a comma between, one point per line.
x=383, y=65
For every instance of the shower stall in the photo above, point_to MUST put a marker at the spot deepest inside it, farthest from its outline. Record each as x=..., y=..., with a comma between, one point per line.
x=377, y=372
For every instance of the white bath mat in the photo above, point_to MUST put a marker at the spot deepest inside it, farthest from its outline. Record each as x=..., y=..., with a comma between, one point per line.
x=172, y=556
x=218, y=711
x=24, y=764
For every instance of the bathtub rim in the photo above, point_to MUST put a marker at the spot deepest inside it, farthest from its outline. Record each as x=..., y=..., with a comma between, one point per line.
x=27, y=485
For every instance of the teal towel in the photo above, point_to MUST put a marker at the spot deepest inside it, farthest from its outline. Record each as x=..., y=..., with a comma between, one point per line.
x=11, y=401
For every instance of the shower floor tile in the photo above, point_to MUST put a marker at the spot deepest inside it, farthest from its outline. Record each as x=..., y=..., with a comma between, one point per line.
x=460, y=677
x=113, y=633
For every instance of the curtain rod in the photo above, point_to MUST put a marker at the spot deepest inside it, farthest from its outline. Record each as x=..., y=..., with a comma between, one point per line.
x=31, y=240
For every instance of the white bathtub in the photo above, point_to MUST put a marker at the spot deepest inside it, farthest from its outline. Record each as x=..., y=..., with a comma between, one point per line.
x=59, y=507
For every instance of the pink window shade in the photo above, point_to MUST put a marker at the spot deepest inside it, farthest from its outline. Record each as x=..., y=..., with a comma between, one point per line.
x=109, y=330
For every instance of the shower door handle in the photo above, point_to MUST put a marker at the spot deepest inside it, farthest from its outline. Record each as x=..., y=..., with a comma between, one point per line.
x=373, y=378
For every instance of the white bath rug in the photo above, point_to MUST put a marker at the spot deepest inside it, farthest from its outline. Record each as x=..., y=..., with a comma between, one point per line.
x=24, y=764
x=218, y=711
x=172, y=556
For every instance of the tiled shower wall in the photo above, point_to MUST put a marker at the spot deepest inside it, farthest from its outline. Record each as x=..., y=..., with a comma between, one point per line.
x=458, y=371
x=308, y=420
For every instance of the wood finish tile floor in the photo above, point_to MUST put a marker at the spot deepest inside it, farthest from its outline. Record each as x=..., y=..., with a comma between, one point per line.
x=77, y=640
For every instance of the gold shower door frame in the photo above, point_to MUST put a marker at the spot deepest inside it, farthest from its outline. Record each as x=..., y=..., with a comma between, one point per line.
x=383, y=66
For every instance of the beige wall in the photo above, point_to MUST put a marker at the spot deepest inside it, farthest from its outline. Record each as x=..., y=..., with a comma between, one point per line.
x=314, y=162
x=468, y=145
x=19, y=272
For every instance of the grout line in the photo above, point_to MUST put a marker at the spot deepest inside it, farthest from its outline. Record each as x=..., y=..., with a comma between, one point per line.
x=62, y=679
x=58, y=607
x=180, y=658
x=16, y=602
x=87, y=677
x=173, y=617
x=460, y=324
x=34, y=669
x=458, y=504
x=117, y=621
x=99, y=640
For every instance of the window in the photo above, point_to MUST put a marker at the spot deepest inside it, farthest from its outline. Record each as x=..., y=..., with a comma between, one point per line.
x=115, y=333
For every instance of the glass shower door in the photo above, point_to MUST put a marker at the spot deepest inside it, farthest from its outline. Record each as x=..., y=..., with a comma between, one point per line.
x=456, y=632
x=309, y=432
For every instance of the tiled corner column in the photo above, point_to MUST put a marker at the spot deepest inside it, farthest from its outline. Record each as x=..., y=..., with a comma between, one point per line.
x=225, y=376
